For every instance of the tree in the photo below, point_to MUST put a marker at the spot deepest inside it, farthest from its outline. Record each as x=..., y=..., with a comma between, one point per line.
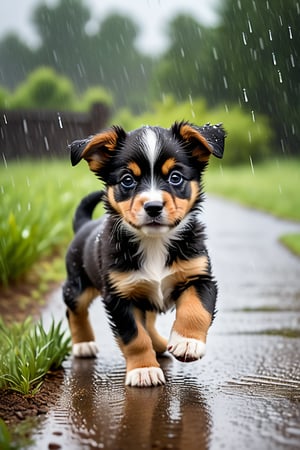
x=118, y=64
x=16, y=60
x=65, y=45
x=257, y=49
x=180, y=70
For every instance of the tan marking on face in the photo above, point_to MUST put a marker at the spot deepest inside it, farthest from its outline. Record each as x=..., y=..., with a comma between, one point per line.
x=96, y=153
x=168, y=165
x=80, y=327
x=135, y=169
x=192, y=319
x=131, y=210
x=177, y=208
x=111, y=199
x=203, y=150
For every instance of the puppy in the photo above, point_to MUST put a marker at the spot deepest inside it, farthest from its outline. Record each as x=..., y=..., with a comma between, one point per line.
x=147, y=253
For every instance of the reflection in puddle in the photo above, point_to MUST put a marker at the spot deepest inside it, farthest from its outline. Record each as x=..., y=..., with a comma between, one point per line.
x=103, y=413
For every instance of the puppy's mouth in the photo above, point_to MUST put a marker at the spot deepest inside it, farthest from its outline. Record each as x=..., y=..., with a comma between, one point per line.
x=155, y=223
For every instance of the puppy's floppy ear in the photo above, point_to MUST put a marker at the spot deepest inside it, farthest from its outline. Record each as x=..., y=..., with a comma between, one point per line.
x=204, y=141
x=98, y=149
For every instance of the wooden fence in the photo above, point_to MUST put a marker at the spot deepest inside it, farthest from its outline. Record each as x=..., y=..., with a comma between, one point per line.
x=41, y=134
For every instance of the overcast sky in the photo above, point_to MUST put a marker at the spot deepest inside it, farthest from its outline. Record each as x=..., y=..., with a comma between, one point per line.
x=151, y=15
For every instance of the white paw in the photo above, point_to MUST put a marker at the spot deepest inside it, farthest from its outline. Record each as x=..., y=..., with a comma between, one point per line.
x=85, y=349
x=145, y=376
x=185, y=349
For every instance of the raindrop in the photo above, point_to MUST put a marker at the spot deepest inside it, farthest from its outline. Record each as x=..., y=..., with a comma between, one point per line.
x=261, y=43
x=4, y=161
x=250, y=26
x=25, y=126
x=290, y=32
x=5, y=119
x=250, y=136
x=142, y=67
x=253, y=116
x=245, y=95
x=274, y=59
x=191, y=99
x=292, y=60
x=25, y=233
x=270, y=35
x=225, y=82
x=244, y=38
x=55, y=56
x=251, y=164
x=298, y=8
x=182, y=52
x=239, y=5
x=215, y=53
x=280, y=76
x=59, y=121
x=46, y=142
x=280, y=20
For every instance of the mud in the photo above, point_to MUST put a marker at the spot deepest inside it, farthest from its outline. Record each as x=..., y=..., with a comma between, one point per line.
x=244, y=394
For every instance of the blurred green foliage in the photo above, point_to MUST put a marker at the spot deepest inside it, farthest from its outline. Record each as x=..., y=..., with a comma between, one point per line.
x=44, y=89
x=37, y=204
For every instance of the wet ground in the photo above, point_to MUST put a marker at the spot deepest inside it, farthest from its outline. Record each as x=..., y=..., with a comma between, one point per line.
x=244, y=394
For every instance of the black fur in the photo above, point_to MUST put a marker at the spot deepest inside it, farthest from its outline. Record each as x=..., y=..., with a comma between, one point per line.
x=105, y=245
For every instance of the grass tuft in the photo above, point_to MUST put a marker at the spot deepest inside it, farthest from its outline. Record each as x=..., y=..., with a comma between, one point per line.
x=28, y=352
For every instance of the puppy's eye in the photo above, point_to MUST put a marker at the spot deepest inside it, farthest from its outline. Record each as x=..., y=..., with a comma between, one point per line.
x=128, y=182
x=175, y=178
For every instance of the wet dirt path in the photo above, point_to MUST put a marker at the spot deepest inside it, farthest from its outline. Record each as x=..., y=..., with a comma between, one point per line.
x=244, y=394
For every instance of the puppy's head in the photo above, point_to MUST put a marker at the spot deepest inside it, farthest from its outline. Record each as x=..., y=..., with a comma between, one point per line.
x=152, y=174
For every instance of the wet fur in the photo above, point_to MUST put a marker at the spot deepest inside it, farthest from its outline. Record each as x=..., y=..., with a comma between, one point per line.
x=147, y=253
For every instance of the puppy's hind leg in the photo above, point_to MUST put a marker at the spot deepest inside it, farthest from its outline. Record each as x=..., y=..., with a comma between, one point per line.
x=83, y=339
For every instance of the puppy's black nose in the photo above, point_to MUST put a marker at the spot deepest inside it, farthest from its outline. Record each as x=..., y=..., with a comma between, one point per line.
x=153, y=209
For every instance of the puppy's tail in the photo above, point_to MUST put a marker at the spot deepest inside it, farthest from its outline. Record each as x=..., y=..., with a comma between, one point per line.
x=85, y=209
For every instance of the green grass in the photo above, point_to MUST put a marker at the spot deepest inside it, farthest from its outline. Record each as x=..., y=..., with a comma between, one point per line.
x=271, y=186
x=37, y=204
x=292, y=241
x=28, y=352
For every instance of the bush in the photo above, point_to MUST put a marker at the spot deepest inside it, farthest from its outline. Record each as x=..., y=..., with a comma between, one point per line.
x=247, y=136
x=92, y=95
x=44, y=89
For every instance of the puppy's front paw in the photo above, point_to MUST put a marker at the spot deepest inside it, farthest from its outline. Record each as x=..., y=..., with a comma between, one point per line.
x=85, y=349
x=145, y=377
x=185, y=349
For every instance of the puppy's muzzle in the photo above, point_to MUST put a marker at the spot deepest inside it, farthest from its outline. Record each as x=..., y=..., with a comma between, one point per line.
x=153, y=208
